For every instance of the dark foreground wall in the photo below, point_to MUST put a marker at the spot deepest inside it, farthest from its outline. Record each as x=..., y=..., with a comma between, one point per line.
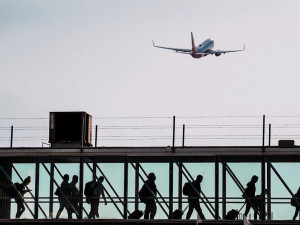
x=4, y=183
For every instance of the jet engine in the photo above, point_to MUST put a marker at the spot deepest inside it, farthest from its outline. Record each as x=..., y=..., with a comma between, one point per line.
x=218, y=54
x=196, y=55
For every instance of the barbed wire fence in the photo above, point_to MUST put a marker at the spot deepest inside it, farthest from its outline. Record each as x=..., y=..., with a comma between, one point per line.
x=158, y=131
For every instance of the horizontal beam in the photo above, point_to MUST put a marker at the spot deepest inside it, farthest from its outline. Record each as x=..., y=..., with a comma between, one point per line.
x=151, y=151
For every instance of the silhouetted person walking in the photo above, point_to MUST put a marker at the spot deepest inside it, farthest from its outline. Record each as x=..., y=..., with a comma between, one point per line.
x=63, y=197
x=74, y=199
x=147, y=195
x=250, y=192
x=193, y=198
x=22, y=190
x=294, y=203
x=97, y=190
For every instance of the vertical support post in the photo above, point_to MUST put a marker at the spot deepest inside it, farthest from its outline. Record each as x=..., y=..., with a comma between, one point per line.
x=216, y=188
x=263, y=172
x=269, y=134
x=81, y=167
x=173, y=142
x=183, y=135
x=94, y=171
x=269, y=191
x=263, y=186
x=96, y=135
x=180, y=186
x=51, y=190
x=171, y=187
x=263, y=141
x=82, y=129
x=136, y=197
x=37, y=185
x=224, y=189
x=11, y=135
x=125, y=187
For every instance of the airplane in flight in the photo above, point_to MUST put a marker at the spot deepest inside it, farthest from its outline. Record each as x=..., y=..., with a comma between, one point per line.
x=204, y=49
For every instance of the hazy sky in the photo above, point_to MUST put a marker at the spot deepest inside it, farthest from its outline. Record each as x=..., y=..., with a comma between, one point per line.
x=97, y=56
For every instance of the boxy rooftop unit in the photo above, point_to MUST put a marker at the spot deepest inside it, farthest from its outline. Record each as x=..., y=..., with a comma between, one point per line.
x=70, y=130
x=286, y=143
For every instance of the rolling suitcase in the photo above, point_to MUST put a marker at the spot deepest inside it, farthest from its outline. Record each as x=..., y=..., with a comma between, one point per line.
x=232, y=214
x=177, y=214
x=137, y=214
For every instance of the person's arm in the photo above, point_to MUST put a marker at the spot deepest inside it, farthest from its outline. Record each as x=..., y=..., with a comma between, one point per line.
x=155, y=191
x=105, y=202
x=28, y=190
x=23, y=191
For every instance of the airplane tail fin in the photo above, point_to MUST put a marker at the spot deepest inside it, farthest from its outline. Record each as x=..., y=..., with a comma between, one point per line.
x=193, y=44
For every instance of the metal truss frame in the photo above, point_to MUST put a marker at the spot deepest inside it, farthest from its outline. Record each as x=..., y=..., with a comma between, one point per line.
x=165, y=203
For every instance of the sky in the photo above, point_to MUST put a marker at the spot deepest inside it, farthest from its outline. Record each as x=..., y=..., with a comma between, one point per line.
x=98, y=57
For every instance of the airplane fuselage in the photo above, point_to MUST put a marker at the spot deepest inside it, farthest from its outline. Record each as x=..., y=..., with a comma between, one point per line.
x=205, y=46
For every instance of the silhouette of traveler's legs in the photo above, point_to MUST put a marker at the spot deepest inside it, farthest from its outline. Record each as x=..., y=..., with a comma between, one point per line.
x=199, y=210
x=62, y=204
x=59, y=212
x=76, y=207
x=69, y=213
x=74, y=203
x=150, y=209
x=20, y=209
x=255, y=215
x=97, y=208
x=147, y=211
x=296, y=213
x=194, y=204
x=248, y=207
x=190, y=211
x=153, y=209
x=94, y=208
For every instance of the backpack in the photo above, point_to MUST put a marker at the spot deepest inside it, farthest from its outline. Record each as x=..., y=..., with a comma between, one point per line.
x=246, y=193
x=187, y=189
x=12, y=191
x=89, y=188
x=293, y=201
x=88, y=191
x=143, y=194
x=57, y=192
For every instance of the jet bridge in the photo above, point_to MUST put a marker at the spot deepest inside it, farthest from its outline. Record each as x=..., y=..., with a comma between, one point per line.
x=134, y=162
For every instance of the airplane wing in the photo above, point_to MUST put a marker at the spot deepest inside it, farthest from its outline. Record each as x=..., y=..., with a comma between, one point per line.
x=223, y=52
x=178, y=50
